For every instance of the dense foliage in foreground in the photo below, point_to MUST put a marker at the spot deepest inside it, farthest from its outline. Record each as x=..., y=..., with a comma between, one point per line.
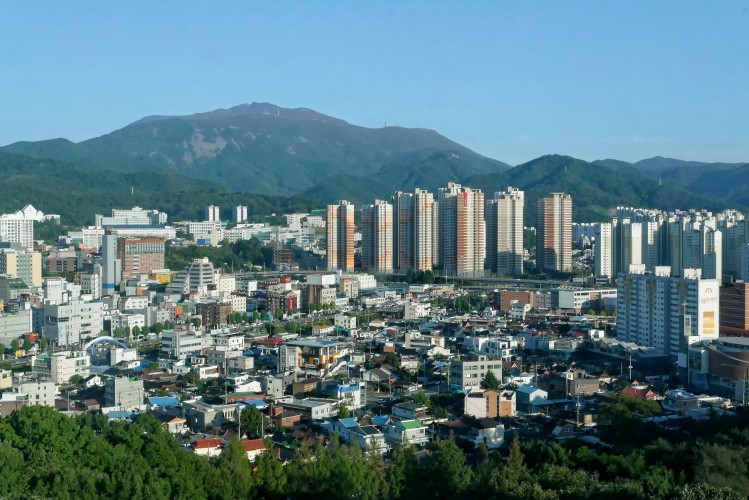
x=46, y=454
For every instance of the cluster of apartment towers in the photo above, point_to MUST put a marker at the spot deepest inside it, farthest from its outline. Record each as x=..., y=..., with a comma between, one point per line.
x=456, y=232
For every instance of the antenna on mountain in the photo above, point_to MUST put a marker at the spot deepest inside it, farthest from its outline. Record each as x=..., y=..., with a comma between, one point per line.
x=660, y=181
x=132, y=190
x=565, y=169
x=278, y=111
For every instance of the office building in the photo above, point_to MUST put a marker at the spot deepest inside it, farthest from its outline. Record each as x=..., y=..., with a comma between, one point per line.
x=340, y=236
x=734, y=309
x=60, y=366
x=554, y=233
x=73, y=322
x=665, y=312
x=504, y=232
x=462, y=230
x=377, y=237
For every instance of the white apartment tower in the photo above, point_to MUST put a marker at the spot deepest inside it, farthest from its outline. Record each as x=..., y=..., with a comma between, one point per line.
x=462, y=230
x=504, y=232
x=240, y=214
x=554, y=233
x=377, y=237
x=213, y=213
x=15, y=228
x=665, y=312
x=340, y=229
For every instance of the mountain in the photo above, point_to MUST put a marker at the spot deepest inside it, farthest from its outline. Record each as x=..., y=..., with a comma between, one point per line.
x=595, y=189
x=77, y=193
x=259, y=148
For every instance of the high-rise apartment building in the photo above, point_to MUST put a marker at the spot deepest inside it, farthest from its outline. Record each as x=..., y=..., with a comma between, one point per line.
x=504, y=232
x=554, y=233
x=213, y=213
x=462, y=230
x=603, y=250
x=240, y=214
x=415, y=231
x=665, y=312
x=14, y=228
x=340, y=236
x=140, y=255
x=377, y=237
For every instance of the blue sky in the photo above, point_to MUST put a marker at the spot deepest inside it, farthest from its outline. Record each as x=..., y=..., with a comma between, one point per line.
x=511, y=80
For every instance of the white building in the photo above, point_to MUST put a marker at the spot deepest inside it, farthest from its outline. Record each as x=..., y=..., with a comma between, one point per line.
x=73, y=322
x=15, y=228
x=123, y=392
x=416, y=310
x=213, y=214
x=240, y=214
x=34, y=392
x=60, y=366
x=667, y=313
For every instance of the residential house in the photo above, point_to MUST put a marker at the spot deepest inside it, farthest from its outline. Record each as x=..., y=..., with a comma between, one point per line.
x=212, y=447
x=530, y=398
x=406, y=431
x=410, y=411
x=253, y=447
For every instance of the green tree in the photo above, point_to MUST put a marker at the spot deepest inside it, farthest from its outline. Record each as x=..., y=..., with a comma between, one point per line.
x=196, y=322
x=252, y=421
x=158, y=328
x=270, y=477
x=403, y=474
x=449, y=475
x=27, y=344
x=118, y=332
x=15, y=345
x=76, y=379
x=343, y=411
x=490, y=381
x=43, y=343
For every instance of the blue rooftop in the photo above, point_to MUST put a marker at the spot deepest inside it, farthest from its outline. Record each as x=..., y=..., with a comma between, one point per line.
x=120, y=414
x=163, y=401
x=258, y=403
x=349, y=423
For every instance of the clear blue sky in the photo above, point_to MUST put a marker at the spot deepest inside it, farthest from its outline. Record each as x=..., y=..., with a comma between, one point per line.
x=511, y=80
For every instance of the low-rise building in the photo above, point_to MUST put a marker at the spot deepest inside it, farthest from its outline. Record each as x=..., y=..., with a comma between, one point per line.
x=59, y=367
x=402, y=432
x=468, y=373
x=123, y=392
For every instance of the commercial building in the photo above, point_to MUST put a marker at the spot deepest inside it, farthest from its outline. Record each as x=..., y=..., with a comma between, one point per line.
x=665, y=312
x=462, y=230
x=504, y=232
x=721, y=366
x=554, y=233
x=580, y=300
x=214, y=313
x=111, y=265
x=33, y=391
x=340, y=228
x=181, y=344
x=377, y=237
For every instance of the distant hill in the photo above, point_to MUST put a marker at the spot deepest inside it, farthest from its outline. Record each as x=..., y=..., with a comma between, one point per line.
x=77, y=193
x=595, y=189
x=259, y=148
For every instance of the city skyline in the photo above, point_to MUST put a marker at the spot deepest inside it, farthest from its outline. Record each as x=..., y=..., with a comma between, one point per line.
x=524, y=81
